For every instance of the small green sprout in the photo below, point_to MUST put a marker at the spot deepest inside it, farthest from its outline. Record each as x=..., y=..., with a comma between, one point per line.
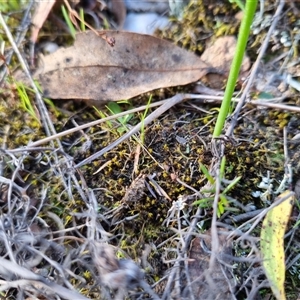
x=25, y=101
x=115, y=109
x=239, y=3
x=223, y=203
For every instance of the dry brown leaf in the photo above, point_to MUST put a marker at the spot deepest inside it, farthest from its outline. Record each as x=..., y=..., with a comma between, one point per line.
x=217, y=286
x=220, y=54
x=41, y=12
x=93, y=70
x=118, y=9
x=40, y=15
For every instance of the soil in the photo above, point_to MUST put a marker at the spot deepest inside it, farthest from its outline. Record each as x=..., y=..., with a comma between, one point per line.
x=140, y=221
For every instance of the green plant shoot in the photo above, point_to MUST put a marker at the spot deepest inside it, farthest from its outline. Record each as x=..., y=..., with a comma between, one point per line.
x=25, y=101
x=223, y=203
x=143, y=118
x=249, y=12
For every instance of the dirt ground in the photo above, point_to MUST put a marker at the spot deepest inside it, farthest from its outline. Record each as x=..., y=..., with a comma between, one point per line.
x=154, y=217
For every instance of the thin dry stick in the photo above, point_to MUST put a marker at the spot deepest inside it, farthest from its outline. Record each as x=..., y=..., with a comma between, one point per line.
x=205, y=98
x=73, y=13
x=214, y=230
x=94, y=123
x=274, y=105
x=45, y=116
x=192, y=228
x=48, y=125
x=167, y=105
x=167, y=292
x=21, y=33
x=287, y=165
x=154, y=115
x=46, y=120
x=254, y=69
x=182, y=254
x=254, y=221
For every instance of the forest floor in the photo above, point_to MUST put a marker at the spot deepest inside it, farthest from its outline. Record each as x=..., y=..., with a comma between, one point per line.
x=155, y=217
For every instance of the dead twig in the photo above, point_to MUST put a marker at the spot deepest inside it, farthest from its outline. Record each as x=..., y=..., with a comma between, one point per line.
x=204, y=98
x=21, y=33
x=167, y=105
x=28, y=276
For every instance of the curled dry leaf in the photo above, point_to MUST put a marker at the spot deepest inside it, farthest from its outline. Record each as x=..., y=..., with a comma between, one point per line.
x=40, y=15
x=118, y=9
x=93, y=70
x=121, y=275
x=219, y=55
x=216, y=285
x=221, y=52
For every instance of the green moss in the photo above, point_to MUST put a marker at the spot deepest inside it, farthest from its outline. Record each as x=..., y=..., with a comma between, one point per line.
x=200, y=21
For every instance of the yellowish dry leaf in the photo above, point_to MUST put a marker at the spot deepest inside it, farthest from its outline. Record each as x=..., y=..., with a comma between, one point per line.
x=272, y=243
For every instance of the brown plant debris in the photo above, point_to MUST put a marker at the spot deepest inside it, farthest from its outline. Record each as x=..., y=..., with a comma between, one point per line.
x=212, y=284
x=93, y=70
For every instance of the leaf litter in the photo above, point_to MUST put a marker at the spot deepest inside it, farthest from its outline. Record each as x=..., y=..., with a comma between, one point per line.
x=205, y=244
x=93, y=70
x=272, y=243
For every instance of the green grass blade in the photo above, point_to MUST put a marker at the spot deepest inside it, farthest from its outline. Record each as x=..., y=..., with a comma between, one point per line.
x=231, y=185
x=68, y=21
x=143, y=118
x=206, y=174
x=81, y=14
